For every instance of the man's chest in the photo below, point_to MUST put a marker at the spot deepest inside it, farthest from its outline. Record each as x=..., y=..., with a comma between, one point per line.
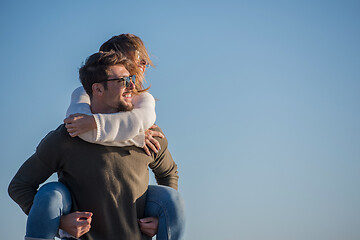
x=105, y=163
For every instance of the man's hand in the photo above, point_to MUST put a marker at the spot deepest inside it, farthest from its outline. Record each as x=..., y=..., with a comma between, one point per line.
x=149, y=226
x=76, y=223
x=77, y=124
x=150, y=141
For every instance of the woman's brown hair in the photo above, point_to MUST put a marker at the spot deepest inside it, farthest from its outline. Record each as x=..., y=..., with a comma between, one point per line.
x=133, y=47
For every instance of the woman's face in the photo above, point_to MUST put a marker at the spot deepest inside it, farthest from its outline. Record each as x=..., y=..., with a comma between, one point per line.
x=142, y=63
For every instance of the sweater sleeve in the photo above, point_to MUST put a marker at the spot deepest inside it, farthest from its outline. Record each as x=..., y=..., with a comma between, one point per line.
x=117, y=129
x=164, y=167
x=36, y=170
x=122, y=126
x=80, y=102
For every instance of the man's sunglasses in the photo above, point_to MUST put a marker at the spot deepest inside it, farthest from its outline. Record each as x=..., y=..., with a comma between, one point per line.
x=125, y=80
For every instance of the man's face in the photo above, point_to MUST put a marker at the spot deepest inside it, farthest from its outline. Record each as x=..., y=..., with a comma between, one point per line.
x=117, y=97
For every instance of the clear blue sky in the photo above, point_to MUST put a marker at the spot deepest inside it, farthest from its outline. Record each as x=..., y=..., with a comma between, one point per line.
x=260, y=101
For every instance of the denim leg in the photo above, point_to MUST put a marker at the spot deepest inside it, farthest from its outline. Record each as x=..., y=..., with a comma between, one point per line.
x=166, y=204
x=51, y=202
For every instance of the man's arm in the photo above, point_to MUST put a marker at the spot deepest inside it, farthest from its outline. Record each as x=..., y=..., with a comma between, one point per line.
x=75, y=224
x=39, y=167
x=163, y=166
x=166, y=174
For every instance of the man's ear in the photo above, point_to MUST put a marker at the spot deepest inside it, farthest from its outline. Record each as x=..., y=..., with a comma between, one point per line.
x=97, y=89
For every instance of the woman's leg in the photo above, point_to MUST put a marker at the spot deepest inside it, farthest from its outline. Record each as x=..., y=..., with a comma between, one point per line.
x=166, y=204
x=51, y=202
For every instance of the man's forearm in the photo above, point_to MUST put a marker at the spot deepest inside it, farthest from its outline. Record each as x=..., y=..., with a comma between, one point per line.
x=22, y=194
x=165, y=170
x=170, y=181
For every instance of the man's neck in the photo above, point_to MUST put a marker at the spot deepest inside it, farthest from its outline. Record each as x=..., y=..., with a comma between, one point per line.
x=98, y=107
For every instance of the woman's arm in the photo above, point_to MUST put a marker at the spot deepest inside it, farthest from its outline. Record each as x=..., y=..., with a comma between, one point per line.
x=122, y=126
x=116, y=129
x=80, y=102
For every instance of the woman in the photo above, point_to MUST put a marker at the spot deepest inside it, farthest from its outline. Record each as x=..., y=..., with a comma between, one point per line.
x=108, y=131
x=164, y=203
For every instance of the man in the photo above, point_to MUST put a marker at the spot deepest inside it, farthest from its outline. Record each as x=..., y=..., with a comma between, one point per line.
x=107, y=184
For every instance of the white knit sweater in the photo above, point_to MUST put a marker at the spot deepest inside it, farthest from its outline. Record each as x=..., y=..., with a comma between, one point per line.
x=116, y=129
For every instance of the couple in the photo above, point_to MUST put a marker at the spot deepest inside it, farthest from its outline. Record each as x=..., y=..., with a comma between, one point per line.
x=102, y=158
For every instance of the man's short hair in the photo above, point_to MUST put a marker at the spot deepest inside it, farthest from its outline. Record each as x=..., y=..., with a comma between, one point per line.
x=96, y=68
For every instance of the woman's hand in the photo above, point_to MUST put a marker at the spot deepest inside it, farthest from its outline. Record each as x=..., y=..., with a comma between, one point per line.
x=77, y=124
x=150, y=141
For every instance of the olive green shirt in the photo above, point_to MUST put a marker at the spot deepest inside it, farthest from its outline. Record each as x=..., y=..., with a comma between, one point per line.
x=110, y=182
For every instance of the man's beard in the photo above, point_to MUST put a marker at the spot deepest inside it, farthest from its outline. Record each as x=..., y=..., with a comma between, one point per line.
x=122, y=107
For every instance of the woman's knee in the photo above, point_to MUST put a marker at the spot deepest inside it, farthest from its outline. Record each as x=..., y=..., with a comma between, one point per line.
x=167, y=204
x=54, y=195
x=164, y=195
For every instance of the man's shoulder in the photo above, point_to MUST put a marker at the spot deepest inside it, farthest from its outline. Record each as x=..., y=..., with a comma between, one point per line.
x=56, y=136
x=53, y=143
x=60, y=131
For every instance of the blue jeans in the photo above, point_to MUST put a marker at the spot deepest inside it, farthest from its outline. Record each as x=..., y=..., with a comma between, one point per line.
x=54, y=200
